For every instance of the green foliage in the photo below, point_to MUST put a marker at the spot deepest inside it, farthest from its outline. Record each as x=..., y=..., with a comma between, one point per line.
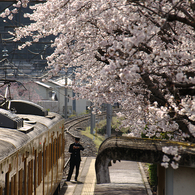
x=153, y=179
x=84, y=112
x=143, y=135
x=163, y=135
x=101, y=126
x=115, y=122
x=98, y=139
x=72, y=115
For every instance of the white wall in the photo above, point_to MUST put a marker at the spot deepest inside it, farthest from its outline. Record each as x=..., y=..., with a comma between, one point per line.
x=61, y=99
x=180, y=181
x=42, y=91
x=60, y=91
x=81, y=105
x=50, y=105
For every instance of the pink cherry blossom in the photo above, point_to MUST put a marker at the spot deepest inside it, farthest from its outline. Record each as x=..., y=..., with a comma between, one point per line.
x=137, y=53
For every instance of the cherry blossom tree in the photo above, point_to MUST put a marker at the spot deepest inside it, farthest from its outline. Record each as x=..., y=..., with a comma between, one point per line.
x=26, y=90
x=139, y=53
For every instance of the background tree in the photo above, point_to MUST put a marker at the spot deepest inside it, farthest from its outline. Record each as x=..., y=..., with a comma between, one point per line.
x=139, y=53
x=21, y=91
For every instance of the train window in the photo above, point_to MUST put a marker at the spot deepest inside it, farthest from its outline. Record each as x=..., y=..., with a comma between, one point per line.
x=30, y=174
x=55, y=153
x=44, y=166
x=46, y=159
x=7, y=183
x=50, y=156
x=57, y=147
x=60, y=145
x=15, y=184
x=35, y=172
x=63, y=144
x=51, y=153
x=39, y=167
x=56, y=150
x=12, y=186
x=38, y=170
x=50, y=162
x=25, y=176
x=20, y=191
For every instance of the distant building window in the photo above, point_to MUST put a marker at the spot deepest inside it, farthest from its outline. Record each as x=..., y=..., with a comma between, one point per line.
x=53, y=95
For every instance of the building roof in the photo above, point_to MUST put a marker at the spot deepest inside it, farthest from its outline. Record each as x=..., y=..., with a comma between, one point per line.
x=61, y=81
x=43, y=85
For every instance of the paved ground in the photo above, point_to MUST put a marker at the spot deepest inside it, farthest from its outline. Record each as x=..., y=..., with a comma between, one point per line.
x=126, y=178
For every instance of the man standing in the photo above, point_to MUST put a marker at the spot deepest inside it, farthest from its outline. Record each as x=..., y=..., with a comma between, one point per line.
x=75, y=158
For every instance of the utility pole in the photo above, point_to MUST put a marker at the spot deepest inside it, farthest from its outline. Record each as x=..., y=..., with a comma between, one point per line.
x=73, y=102
x=73, y=95
x=66, y=99
x=92, y=121
x=5, y=55
x=109, y=120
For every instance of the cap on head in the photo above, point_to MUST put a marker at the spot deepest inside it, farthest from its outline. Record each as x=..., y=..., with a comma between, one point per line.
x=77, y=138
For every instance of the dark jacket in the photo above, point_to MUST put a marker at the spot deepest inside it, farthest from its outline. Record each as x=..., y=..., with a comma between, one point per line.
x=75, y=153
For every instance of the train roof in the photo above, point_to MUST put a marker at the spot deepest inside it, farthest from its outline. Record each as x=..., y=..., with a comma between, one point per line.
x=10, y=140
x=14, y=137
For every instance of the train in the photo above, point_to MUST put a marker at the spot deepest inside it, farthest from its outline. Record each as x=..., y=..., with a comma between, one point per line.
x=32, y=146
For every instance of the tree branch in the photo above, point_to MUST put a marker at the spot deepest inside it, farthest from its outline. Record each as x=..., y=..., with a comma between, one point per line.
x=156, y=93
x=174, y=17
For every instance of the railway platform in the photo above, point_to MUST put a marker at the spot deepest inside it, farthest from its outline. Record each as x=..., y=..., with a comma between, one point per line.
x=126, y=177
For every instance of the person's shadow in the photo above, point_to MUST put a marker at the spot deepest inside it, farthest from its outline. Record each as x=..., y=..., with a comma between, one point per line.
x=77, y=182
x=65, y=186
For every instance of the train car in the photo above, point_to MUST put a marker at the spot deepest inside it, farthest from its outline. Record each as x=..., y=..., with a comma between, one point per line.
x=31, y=149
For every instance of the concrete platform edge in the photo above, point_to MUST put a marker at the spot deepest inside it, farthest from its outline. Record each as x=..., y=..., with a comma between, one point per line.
x=145, y=180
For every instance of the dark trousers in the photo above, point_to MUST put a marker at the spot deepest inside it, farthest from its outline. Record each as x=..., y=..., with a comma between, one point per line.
x=72, y=165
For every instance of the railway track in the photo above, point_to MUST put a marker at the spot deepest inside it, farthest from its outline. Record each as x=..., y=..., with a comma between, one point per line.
x=72, y=122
